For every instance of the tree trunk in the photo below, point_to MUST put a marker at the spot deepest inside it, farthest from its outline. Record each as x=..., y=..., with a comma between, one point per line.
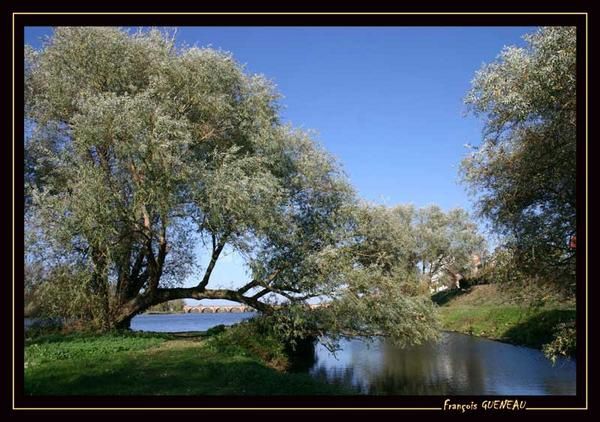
x=99, y=287
x=125, y=323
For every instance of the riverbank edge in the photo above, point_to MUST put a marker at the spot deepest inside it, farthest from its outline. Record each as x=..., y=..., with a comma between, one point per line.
x=511, y=324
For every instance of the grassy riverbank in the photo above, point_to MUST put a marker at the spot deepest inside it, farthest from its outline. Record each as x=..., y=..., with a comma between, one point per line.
x=490, y=312
x=233, y=362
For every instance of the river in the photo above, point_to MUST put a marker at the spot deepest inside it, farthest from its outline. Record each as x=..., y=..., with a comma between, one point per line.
x=177, y=323
x=458, y=364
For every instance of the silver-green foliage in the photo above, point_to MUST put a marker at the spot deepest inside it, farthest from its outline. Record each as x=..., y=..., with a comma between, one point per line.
x=418, y=245
x=389, y=263
x=140, y=153
x=524, y=171
x=564, y=342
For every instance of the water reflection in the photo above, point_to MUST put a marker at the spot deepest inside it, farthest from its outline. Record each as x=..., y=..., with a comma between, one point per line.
x=456, y=365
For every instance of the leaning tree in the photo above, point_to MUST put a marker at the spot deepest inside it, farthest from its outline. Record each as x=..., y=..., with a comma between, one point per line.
x=142, y=157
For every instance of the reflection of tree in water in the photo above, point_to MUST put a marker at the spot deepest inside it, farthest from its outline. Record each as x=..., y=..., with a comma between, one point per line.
x=457, y=365
x=451, y=366
x=303, y=357
x=344, y=376
x=557, y=383
x=342, y=367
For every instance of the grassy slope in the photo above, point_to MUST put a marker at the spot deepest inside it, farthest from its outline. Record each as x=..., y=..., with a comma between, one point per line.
x=134, y=364
x=490, y=312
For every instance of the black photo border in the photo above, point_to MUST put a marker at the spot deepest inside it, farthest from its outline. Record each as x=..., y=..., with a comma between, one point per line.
x=19, y=16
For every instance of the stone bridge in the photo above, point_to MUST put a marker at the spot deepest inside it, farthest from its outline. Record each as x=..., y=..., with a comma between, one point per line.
x=200, y=309
x=216, y=309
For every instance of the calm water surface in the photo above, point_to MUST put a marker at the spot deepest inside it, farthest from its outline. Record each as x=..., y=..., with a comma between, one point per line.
x=457, y=364
x=176, y=323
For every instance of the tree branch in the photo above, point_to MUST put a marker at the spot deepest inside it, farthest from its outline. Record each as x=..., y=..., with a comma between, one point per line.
x=162, y=249
x=216, y=251
x=256, y=283
x=261, y=294
x=248, y=286
x=137, y=265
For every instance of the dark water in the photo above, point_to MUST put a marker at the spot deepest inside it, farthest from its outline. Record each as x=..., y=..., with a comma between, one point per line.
x=457, y=364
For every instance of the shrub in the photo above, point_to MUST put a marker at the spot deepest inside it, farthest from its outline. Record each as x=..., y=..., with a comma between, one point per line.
x=564, y=342
x=251, y=339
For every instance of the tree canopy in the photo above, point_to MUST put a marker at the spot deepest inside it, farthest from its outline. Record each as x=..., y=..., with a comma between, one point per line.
x=425, y=245
x=142, y=158
x=142, y=151
x=138, y=154
x=524, y=171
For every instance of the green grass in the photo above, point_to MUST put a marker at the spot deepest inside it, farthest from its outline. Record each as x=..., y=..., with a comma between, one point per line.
x=486, y=312
x=82, y=347
x=511, y=324
x=154, y=364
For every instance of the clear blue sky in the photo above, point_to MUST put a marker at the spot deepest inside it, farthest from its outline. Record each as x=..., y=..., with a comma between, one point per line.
x=386, y=101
